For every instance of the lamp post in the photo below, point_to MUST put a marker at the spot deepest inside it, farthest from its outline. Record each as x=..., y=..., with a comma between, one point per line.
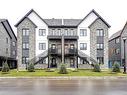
x=124, y=40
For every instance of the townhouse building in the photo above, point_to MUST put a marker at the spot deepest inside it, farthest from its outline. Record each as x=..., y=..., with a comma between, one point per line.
x=50, y=42
x=8, y=44
x=116, y=47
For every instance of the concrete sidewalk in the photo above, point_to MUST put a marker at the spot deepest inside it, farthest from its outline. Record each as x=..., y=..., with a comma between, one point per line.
x=71, y=77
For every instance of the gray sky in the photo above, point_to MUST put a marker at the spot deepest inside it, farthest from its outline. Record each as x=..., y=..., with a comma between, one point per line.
x=113, y=11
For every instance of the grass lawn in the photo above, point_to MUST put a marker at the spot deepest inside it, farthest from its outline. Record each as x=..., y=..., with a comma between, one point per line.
x=81, y=72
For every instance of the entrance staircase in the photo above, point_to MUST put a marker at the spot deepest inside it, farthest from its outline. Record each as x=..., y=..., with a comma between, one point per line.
x=87, y=58
x=39, y=58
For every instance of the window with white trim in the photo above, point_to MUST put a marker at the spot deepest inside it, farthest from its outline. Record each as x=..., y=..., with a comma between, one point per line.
x=42, y=32
x=25, y=32
x=100, y=32
x=83, y=32
x=25, y=45
x=42, y=46
x=25, y=60
x=83, y=46
x=100, y=46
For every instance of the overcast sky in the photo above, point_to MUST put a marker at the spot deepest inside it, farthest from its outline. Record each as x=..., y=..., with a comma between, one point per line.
x=113, y=11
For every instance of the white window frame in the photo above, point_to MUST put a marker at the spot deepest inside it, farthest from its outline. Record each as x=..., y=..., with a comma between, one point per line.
x=42, y=46
x=42, y=32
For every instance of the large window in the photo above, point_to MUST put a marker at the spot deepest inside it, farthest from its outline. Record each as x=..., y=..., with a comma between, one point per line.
x=100, y=46
x=42, y=61
x=100, y=32
x=25, y=32
x=100, y=60
x=42, y=46
x=42, y=32
x=83, y=46
x=25, y=45
x=25, y=60
x=83, y=32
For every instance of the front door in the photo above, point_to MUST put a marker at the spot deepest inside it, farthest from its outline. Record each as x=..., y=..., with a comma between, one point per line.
x=53, y=63
x=72, y=62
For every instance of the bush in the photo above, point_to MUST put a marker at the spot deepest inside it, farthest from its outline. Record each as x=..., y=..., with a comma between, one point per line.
x=116, y=67
x=63, y=69
x=96, y=68
x=5, y=67
x=31, y=67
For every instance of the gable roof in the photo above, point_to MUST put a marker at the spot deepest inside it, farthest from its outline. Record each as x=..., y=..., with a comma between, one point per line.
x=8, y=28
x=26, y=16
x=115, y=35
x=93, y=11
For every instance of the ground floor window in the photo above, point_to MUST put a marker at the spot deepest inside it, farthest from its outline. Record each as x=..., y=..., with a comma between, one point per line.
x=42, y=61
x=83, y=61
x=25, y=60
x=100, y=60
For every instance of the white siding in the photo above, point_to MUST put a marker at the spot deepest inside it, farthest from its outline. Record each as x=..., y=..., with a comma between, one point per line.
x=40, y=25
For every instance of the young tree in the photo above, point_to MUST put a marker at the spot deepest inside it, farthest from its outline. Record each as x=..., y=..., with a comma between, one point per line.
x=5, y=67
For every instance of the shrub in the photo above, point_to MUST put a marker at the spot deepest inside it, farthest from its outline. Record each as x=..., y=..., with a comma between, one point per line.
x=31, y=67
x=63, y=69
x=96, y=68
x=116, y=67
x=5, y=67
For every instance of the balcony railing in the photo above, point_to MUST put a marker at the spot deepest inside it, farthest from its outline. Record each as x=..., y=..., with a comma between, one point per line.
x=68, y=51
x=60, y=36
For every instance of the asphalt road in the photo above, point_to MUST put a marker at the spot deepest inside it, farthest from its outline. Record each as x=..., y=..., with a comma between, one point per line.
x=62, y=87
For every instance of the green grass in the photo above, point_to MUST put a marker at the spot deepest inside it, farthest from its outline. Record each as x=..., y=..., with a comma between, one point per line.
x=39, y=73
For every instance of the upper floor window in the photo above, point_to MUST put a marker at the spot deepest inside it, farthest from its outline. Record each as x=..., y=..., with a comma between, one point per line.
x=117, y=40
x=83, y=32
x=66, y=32
x=25, y=32
x=83, y=46
x=42, y=46
x=6, y=50
x=100, y=32
x=7, y=40
x=100, y=46
x=42, y=32
x=14, y=52
x=13, y=43
x=25, y=45
x=53, y=46
x=71, y=46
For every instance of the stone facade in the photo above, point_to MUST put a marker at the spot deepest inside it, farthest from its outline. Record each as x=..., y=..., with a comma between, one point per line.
x=3, y=44
x=26, y=23
x=99, y=24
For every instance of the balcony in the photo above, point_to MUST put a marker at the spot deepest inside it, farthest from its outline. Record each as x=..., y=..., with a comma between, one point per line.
x=60, y=36
x=71, y=51
x=54, y=51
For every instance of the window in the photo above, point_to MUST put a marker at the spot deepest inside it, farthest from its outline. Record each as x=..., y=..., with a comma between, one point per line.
x=6, y=50
x=83, y=61
x=83, y=46
x=66, y=32
x=42, y=61
x=100, y=46
x=13, y=43
x=83, y=32
x=53, y=46
x=117, y=40
x=117, y=51
x=7, y=40
x=59, y=32
x=72, y=32
x=13, y=52
x=25, y=45
x=25, y=60
x=25, y=32
x=100, y=60
x=72, y=46
x=42, y=32
x=100, y=32
x=42, y=46
x=53, y=31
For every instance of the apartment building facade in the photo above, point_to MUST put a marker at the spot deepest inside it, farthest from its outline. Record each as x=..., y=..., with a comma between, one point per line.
x=49, y=42
x=116, y=47
x=8, y=44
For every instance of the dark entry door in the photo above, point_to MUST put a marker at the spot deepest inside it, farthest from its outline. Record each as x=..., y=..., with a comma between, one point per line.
x=53, y=62
x=72, y=62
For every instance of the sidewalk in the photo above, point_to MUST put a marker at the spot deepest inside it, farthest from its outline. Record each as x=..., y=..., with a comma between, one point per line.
x=71, y=78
